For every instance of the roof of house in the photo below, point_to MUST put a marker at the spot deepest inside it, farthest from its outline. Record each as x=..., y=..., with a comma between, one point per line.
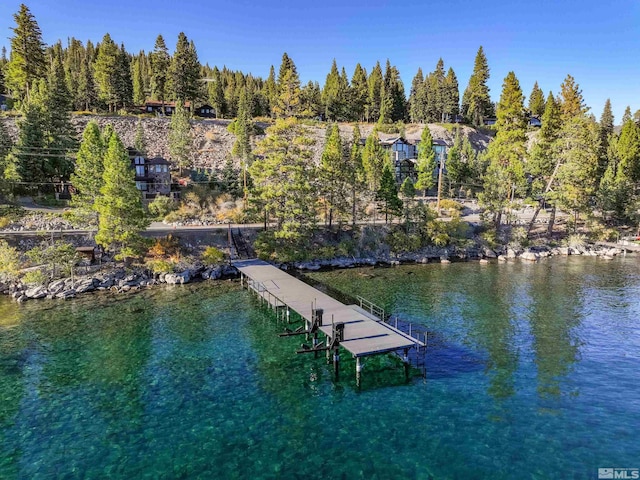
x=156, y=103
x=158, y=161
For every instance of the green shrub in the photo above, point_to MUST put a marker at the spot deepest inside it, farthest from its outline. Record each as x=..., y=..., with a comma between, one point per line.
x=451, y=205
x=161, y=207
x=9, y=261
x=158, y=266
x=576, y=240
x=35, y=277
x=490, y=237
x=212, y=255
x=4, y=222
x=12, y=212
x=399, y=241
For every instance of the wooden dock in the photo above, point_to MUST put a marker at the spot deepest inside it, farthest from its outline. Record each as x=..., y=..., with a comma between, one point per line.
x=359, y=332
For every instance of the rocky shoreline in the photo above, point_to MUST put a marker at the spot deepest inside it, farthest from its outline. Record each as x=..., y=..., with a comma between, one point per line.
x=119, y=279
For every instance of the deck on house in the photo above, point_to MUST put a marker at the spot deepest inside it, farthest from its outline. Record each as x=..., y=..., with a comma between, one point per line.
x=364, y=334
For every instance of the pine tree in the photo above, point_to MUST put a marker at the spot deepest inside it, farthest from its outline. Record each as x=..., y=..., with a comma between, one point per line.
x=387, y=195
x=180, y=140
x=311, y=100
x=544, y=160
x=571, y=103
x=626, y=116
x=124, y=83
x=88, y=174
x=107, y=72
x=606, y=120
x=184, y=72
x=392, y=108
x=451, y=96
x=333, y=175
x=27, y=156
x=271, y=91
x=243, y=131
x=216, y=94
x=505, y=175
x=359, y=93
x=416, y=109
x=288, y=87
x=281, y=176
x=160, y=62
x=536, y=101
x=438, y=89
x=477, y=102
x=355, y=171
x=426, y=161
x=408, y=189
x=60, y=135
x=374, y=100
x=578, y=164
x=139, y=96
x=7, y=168
x=27, y=61
x=606, y=130
x=333, y=95
x=87, y=94
x=119, y=206
x=374, y=157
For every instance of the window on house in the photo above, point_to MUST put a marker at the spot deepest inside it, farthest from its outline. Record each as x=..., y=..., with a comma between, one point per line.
x=149, y=109
x=140, y=170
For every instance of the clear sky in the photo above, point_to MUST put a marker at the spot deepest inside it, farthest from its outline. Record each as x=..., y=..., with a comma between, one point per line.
x=596, y=41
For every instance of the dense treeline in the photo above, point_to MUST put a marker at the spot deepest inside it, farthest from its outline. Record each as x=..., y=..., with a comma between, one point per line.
x=106, y=77
x=573, y=163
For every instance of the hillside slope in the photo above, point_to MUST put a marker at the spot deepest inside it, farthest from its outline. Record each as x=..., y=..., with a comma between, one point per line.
x=212, y=142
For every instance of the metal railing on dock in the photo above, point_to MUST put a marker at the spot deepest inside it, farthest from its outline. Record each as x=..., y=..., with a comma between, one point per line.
x=371, y=307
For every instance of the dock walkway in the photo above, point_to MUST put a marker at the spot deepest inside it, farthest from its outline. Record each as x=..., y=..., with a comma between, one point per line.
x=364, y=334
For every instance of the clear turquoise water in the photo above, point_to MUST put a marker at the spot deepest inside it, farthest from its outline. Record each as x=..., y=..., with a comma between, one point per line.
x=532, y=373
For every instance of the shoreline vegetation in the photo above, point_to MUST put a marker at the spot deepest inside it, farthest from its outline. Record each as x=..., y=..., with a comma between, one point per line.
x=118, y=278
x=444, y=176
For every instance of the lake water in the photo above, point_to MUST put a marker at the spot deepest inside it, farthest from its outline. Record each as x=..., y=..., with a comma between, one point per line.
x=532, y=372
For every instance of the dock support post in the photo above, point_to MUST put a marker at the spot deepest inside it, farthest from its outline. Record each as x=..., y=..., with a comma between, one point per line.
x=336, y=363
x=358, y=371
x=405, y=359
x=315, y=344
x=328, y=340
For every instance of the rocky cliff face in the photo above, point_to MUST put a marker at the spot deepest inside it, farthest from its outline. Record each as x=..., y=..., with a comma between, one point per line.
x=212, y=142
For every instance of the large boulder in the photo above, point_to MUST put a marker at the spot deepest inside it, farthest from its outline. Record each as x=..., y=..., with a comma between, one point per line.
x=85, y=286
x=178, y=278
x=36, y=292
x=529, y=256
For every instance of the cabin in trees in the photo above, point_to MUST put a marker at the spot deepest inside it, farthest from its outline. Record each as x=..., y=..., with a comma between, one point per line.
x=153, y=177
x=154, y=106
x=205, y=111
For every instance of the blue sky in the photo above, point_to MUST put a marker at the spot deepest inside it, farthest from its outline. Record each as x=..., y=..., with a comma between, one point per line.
x=597, y=42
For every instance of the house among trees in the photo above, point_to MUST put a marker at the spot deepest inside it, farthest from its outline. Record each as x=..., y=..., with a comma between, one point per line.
x=205, y=111
x=404, y=155
x=153, y=177
x=155, y=106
